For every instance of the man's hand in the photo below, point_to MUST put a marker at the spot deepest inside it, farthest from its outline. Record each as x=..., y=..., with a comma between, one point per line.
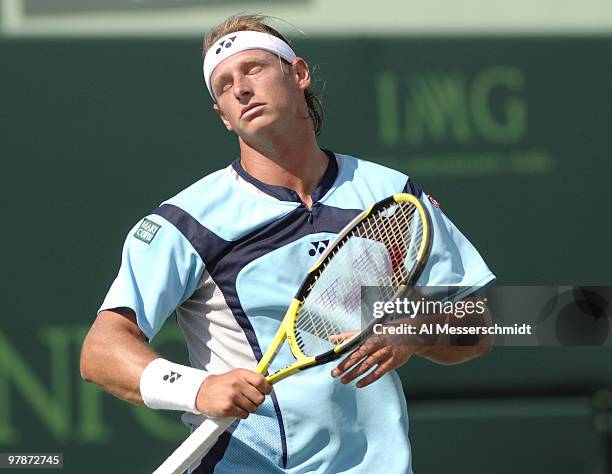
x=237, y=393
x=374, y=351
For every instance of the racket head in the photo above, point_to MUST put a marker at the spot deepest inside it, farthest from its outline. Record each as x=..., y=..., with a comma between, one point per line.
x=387, y=247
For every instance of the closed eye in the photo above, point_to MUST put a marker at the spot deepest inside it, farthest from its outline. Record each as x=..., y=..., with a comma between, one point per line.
x=223, y=87
x=254, y=70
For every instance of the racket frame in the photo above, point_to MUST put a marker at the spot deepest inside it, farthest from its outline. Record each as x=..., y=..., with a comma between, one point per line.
x=287, y=329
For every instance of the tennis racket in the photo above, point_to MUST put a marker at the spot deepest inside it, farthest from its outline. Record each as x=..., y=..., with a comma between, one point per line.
x=386, y=246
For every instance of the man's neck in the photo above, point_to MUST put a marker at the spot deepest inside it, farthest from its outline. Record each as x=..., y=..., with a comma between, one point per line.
x=295, y=164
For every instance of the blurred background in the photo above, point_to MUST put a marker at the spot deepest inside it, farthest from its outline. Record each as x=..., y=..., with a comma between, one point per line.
x=500, y=110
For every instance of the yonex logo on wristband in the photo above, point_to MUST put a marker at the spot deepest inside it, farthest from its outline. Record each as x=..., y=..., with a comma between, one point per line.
x=172, y=377
x=160, y=390
x=147, y=231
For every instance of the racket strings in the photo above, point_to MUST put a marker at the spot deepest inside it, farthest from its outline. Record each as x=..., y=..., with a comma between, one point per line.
x=343, y=316
x=363, y=262
x=379, y=252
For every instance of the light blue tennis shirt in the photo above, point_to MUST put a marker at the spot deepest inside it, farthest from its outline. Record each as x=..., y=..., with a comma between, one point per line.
x=228, y=254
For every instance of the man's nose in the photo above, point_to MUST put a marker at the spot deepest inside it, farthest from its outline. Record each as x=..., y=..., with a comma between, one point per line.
x=242, y=88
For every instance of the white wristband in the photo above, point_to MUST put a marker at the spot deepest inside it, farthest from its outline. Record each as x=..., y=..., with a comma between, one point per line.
x=169, y=386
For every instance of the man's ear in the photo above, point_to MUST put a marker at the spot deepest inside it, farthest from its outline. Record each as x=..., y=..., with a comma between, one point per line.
x=222, y=117
x=301, y=73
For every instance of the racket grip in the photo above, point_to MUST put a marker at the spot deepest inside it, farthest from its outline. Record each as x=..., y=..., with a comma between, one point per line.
x=196, y=444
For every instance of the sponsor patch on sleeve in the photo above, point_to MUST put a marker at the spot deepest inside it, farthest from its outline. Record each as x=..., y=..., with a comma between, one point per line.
x=433, y=201
x=147, y=231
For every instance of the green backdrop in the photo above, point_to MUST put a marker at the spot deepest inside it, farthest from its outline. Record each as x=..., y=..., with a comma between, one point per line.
x=511, y=135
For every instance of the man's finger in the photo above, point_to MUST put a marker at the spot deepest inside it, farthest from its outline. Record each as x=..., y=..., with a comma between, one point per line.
x=368, y=347
x=244, y=403
x=254, y=395
x=340, y=338
x=239, y=413
x=263, y=386
x=258, y=381
x=365, y=365
x=377, y=373
x=353, y=358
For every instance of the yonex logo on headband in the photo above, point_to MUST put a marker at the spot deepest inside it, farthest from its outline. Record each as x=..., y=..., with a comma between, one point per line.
x=238, y=41
x=227, y=43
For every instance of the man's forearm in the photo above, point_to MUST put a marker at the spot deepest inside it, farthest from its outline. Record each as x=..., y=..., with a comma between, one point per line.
x=114, y=357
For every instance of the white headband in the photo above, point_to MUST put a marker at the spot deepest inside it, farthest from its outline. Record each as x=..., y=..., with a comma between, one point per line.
x=233, y=43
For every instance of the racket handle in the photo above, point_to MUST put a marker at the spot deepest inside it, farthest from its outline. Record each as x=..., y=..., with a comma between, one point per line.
x=196, y=444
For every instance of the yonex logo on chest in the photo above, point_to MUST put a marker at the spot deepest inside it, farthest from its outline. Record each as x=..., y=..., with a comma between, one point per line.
x=318, y=246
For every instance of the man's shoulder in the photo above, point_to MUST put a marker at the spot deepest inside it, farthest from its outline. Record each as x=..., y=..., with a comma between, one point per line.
x=367, y=175
x=360, y=183
x=212, y=183
x=351, y=165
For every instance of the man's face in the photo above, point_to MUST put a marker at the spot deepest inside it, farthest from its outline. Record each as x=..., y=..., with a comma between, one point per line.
x=256, y=93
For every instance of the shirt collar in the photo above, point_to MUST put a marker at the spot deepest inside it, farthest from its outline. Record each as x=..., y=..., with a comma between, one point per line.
x=286, y=194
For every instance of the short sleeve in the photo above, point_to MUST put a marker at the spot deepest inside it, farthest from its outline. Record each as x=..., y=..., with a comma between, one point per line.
x=159, y=271
x=453, y=260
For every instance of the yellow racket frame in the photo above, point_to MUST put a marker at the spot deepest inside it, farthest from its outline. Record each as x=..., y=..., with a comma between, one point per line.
x=287, y=328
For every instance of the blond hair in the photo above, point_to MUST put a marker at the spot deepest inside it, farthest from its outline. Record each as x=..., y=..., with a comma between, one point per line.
x=257, y=23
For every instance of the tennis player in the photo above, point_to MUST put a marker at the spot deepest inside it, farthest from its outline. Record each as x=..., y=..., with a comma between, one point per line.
x=227, y=254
